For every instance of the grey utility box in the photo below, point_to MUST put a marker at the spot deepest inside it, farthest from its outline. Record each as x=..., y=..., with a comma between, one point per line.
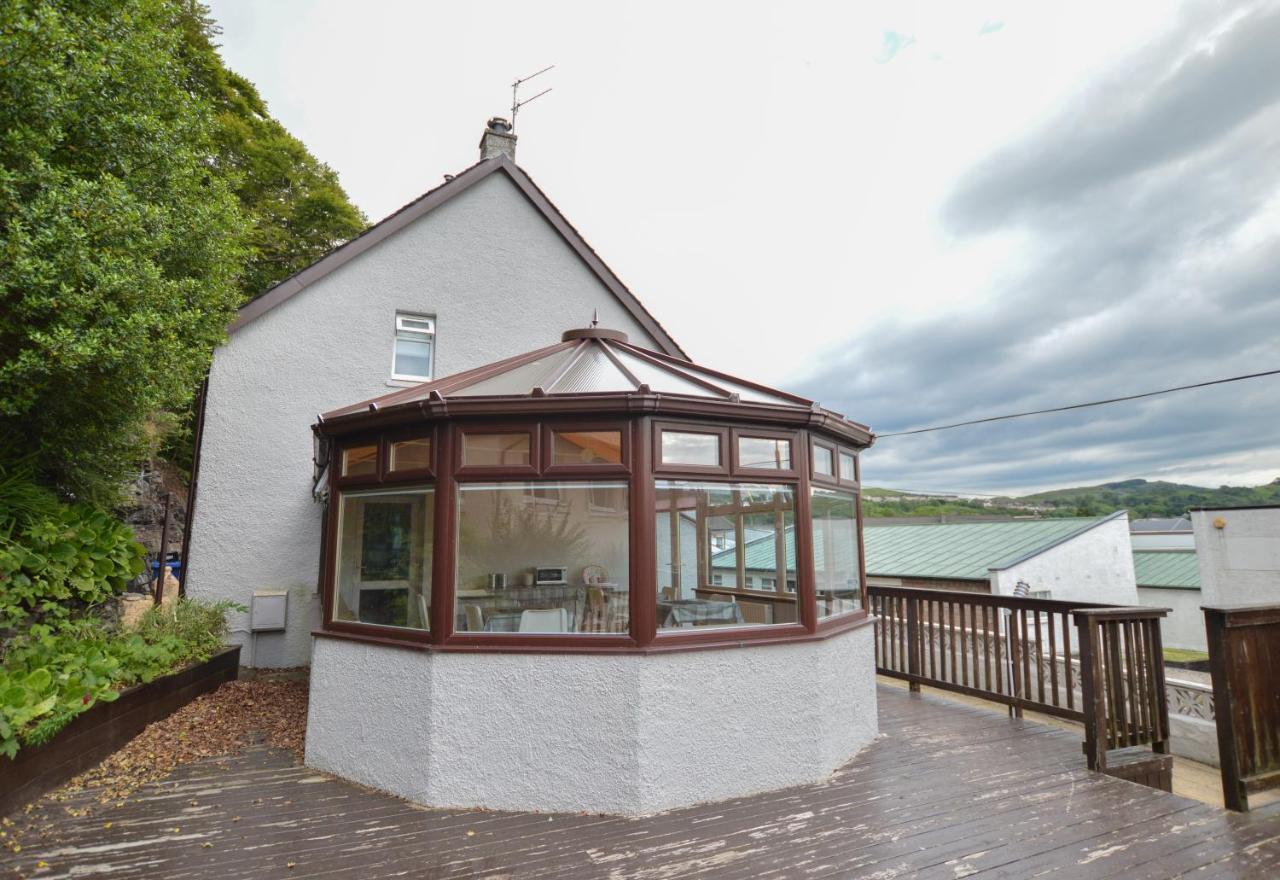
x=268, y=610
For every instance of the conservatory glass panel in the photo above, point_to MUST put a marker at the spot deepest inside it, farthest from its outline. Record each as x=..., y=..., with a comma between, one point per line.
x=835, y=552
x=718, y=547
x=586, y=447
x=823, y=462
x=411, y=455
x=495, y=450
x=360, y=461
x=544, y=557
x=686, y=447
x=848, y=467
x=383, y=560
x=764, y=452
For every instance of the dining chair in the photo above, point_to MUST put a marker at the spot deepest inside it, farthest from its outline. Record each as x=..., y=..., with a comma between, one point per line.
x=554, y=620
x=475, y=618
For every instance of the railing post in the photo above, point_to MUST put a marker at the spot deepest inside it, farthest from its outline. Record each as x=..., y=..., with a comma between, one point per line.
x=1094, y=692
x=1014, y=653
x=913, y=642
x=1160, y=744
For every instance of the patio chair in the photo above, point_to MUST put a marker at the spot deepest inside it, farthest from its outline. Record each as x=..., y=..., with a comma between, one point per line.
x=545, y=620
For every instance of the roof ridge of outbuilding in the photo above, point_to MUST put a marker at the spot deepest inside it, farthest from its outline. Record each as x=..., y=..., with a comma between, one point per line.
x=432, y=199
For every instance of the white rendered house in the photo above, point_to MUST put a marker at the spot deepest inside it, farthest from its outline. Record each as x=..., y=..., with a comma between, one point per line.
x=481, y=265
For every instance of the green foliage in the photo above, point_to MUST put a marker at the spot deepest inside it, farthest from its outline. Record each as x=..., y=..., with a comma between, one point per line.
x=1141, y=498
x=52, y=674
x=120, y=240
x=56, y=558
x=298, y=209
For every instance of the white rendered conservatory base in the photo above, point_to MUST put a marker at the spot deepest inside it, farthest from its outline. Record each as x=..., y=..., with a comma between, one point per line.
x=620, y=733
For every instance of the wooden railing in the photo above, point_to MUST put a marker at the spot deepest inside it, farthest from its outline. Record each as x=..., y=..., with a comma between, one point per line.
x=1122, y=678
x=1096, y=664
x=1244, y=662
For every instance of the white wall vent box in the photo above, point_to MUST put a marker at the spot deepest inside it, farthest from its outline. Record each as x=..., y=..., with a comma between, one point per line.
x=267, y=612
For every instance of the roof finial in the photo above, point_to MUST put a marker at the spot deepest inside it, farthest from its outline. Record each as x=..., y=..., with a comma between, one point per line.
x=595, y=317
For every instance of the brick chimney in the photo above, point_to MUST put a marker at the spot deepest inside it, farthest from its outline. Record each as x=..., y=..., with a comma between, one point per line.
x=498, y=140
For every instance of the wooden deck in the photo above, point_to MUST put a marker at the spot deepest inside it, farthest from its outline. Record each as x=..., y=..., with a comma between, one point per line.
x=949, y=791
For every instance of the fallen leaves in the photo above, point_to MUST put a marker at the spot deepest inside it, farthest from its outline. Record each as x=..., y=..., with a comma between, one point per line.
x=238, y=714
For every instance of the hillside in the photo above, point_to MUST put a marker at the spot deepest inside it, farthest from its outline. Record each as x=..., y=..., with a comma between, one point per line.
x=1142, y=498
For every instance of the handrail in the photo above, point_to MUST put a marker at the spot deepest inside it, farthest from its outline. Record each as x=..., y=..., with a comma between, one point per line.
x=1101, y=665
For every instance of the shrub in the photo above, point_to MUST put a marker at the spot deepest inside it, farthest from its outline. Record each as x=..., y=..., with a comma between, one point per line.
x=52, y=674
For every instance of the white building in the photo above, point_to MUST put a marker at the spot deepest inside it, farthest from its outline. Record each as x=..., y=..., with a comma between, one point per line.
x=480, y=267
x=1239, y=553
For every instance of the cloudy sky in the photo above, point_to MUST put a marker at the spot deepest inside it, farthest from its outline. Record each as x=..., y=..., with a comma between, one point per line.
x=918, y=213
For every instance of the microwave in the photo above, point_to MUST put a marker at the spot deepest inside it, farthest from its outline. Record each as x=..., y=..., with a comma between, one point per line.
x=549, y=575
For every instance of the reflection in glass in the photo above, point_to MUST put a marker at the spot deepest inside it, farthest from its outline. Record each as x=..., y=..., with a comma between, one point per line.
x=384, y=558
x=684, y=447
x=543, y=557
x=822, y=463
x=764, y=452
x=848, y=470
x=835, y=552
x=359, y=461
x=586, y=447
x=725, y=554
x=495, y=450
x=411, y=455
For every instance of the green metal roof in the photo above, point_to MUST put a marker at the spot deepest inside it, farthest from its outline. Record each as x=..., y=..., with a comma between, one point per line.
x=964, y=550
x=1174, y=569
x=948, y=550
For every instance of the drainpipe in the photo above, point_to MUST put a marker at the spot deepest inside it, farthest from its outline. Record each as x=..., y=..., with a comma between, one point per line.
x=202, y=398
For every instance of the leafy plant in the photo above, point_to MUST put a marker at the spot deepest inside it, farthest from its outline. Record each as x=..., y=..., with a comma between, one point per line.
x=51, y=674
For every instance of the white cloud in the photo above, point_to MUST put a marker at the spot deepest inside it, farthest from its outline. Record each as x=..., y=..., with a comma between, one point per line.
x=783, y=172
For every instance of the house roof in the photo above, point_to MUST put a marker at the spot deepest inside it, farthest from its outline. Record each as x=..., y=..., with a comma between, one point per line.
x=966, y=551
x=434, y=198
x=1165, y=524
x=955, y=551
x=591, y=365
x=1174, y=569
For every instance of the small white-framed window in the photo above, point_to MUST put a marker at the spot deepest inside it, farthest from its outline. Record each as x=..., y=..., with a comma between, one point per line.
x=415, y=345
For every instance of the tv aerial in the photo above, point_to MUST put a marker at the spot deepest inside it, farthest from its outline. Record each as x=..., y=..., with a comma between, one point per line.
x=516, y=103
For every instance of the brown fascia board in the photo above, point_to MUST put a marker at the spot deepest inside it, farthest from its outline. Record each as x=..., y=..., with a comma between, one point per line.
x=343, y=422
x=433, y=199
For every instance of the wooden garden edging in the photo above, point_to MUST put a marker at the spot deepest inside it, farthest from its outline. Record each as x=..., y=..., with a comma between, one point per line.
x=105, y=727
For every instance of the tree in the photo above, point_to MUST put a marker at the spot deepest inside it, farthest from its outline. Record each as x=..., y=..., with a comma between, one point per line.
x=298, y=210
x=121, y=237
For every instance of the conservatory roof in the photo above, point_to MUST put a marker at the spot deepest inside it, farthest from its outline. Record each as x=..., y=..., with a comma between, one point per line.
x=591, y=362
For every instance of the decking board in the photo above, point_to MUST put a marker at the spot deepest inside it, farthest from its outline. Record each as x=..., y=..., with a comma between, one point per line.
x=948, y=791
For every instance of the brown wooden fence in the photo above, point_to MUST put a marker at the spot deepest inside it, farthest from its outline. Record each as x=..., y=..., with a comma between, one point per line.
x=1096, y=664
x=1244, y=661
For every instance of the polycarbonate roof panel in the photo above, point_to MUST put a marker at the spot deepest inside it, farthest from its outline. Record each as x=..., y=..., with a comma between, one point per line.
x=662, y=380
x=518, y=381
x=592, y=373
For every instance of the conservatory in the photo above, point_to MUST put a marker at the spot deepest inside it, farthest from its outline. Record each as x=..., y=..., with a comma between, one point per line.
x=590, y=577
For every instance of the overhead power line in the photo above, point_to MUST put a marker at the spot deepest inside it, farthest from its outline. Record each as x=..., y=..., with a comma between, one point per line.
x=1040, y=412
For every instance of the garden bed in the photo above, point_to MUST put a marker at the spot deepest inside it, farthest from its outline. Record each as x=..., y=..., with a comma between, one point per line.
x=102, y=729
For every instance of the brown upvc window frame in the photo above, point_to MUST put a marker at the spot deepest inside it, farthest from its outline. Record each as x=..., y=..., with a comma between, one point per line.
x=641, y=469
x=661, y=468
x=737, y=635
x=498, y=471
x=358, y=480
x=852, y=481
x=391, y=635
x=735, y=465
x=389, y=438
x=831, y=479
x=551, y=427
